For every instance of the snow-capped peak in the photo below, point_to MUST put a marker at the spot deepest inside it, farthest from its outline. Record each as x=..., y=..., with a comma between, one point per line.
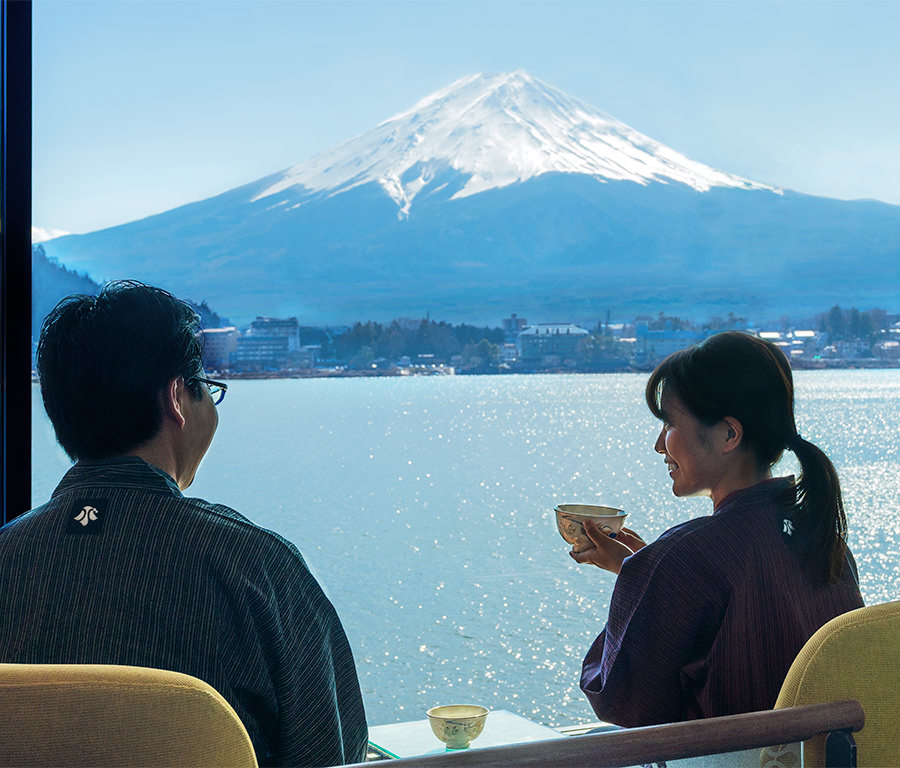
x=498, y=130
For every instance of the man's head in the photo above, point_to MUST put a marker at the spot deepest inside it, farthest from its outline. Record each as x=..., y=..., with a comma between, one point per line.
x=105, y=361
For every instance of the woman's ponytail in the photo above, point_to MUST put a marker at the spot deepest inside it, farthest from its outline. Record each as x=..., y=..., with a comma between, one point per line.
x=818, y=510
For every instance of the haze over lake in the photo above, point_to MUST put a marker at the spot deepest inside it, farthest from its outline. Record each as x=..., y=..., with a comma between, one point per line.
x=424, y=507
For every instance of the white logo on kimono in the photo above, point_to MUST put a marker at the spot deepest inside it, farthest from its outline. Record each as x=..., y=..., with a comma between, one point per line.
x=87, y=515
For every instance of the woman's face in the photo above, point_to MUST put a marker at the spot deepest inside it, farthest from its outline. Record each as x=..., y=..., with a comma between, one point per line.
x=688, y=446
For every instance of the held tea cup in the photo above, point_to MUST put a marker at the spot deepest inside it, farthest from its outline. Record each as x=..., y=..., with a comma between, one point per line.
x=570, y=522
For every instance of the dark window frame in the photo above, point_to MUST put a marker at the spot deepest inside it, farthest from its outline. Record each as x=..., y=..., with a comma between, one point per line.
x=15, y=259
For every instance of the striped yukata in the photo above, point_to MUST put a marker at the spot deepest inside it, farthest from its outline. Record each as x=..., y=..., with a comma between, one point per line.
x=707, y=619
x=120, y=568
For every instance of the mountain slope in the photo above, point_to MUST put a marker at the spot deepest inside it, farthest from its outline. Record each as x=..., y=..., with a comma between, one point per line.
x=51, y=281
x=501, y=194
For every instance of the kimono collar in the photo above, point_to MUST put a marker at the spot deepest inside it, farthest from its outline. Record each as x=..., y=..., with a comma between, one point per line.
x=118, y=472
x=770, y=487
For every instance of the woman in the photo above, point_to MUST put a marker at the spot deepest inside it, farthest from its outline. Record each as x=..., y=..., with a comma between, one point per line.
x=706, y=620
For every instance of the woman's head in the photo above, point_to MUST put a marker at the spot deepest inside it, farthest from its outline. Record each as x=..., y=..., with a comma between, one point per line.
x=736, y=376
x=733, y=375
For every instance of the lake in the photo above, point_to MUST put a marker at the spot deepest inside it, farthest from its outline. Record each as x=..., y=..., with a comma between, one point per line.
x=424, y=507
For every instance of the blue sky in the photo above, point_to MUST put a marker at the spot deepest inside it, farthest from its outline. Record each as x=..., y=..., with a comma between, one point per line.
x=141, y=106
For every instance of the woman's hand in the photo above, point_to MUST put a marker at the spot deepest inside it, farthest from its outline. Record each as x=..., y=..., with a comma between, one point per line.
x=630, y=539
x=608, y=553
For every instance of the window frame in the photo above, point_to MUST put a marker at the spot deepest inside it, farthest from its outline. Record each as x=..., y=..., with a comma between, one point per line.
x=15, y=258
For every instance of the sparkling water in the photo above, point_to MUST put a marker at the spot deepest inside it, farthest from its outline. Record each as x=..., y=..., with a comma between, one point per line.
x=424, y=507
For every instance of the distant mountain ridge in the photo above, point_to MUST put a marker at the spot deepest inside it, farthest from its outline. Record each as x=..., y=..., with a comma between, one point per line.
x=501, y=194
x=52, y=281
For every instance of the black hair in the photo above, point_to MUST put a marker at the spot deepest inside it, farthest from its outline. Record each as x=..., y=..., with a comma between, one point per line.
x=103, y=361
x=748, y=378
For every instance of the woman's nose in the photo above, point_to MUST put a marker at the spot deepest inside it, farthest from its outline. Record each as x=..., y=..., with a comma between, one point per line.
x=660, y=446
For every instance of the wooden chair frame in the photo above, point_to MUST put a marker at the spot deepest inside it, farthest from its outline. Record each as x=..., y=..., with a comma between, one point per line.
x=652, y=744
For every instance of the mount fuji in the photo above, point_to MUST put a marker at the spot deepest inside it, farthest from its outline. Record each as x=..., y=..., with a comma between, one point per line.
x=496, y=131
x=502, y=194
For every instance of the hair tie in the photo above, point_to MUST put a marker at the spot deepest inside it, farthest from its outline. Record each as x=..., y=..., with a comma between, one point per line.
x=792, y=441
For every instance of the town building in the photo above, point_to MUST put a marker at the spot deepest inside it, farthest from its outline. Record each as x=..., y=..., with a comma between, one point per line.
x=514, y=325
x=652, y=345
x=218, y=345
x=798, y=345
x=851, y=349
x=550, y=344
x=270, y=344
x=887, y=349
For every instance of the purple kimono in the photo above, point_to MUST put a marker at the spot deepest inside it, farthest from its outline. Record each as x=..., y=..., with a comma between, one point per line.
x=706, y=620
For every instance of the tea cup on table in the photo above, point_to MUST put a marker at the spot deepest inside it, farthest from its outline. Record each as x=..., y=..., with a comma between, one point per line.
x=457, y=724
x=570, y=522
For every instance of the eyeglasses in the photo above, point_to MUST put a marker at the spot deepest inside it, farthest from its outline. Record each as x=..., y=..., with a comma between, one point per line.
x=217, y=389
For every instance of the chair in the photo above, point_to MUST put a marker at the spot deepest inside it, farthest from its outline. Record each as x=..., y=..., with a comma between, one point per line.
x=103, y=715
x=853, y=656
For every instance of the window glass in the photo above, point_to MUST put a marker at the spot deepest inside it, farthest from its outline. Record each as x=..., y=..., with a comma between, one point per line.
x=422, y=500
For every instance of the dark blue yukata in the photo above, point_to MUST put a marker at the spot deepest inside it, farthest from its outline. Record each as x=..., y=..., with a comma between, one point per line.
x=707, y=619
x=120, y=568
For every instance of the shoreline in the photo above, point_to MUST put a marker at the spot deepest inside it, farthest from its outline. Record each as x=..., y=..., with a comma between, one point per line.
x=336, y=373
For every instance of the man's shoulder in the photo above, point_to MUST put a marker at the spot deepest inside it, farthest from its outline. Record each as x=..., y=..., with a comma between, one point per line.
x=229, y=524
x=209, y=528
x=22, y=522
x=249, y=553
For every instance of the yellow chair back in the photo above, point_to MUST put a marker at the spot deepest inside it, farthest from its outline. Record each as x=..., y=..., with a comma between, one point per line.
x=853, y=656
x=103, y=715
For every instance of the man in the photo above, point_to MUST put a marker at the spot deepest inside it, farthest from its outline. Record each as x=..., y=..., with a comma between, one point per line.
x=120, y=568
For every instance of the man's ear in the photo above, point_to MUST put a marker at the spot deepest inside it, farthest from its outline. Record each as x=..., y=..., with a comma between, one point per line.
x=172, y=398
x=733, y=432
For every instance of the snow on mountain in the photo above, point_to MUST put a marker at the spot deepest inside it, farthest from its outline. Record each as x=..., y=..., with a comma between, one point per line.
x=497, y=130
x=43, y=234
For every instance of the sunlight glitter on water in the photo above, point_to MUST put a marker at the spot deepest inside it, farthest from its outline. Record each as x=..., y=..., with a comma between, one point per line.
x=425, y=507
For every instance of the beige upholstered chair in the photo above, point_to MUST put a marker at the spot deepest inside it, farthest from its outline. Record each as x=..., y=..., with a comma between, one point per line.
x=102, y=715
x=853, y=656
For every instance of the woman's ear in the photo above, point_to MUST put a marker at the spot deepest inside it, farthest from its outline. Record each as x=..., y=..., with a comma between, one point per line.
x=733, y=433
